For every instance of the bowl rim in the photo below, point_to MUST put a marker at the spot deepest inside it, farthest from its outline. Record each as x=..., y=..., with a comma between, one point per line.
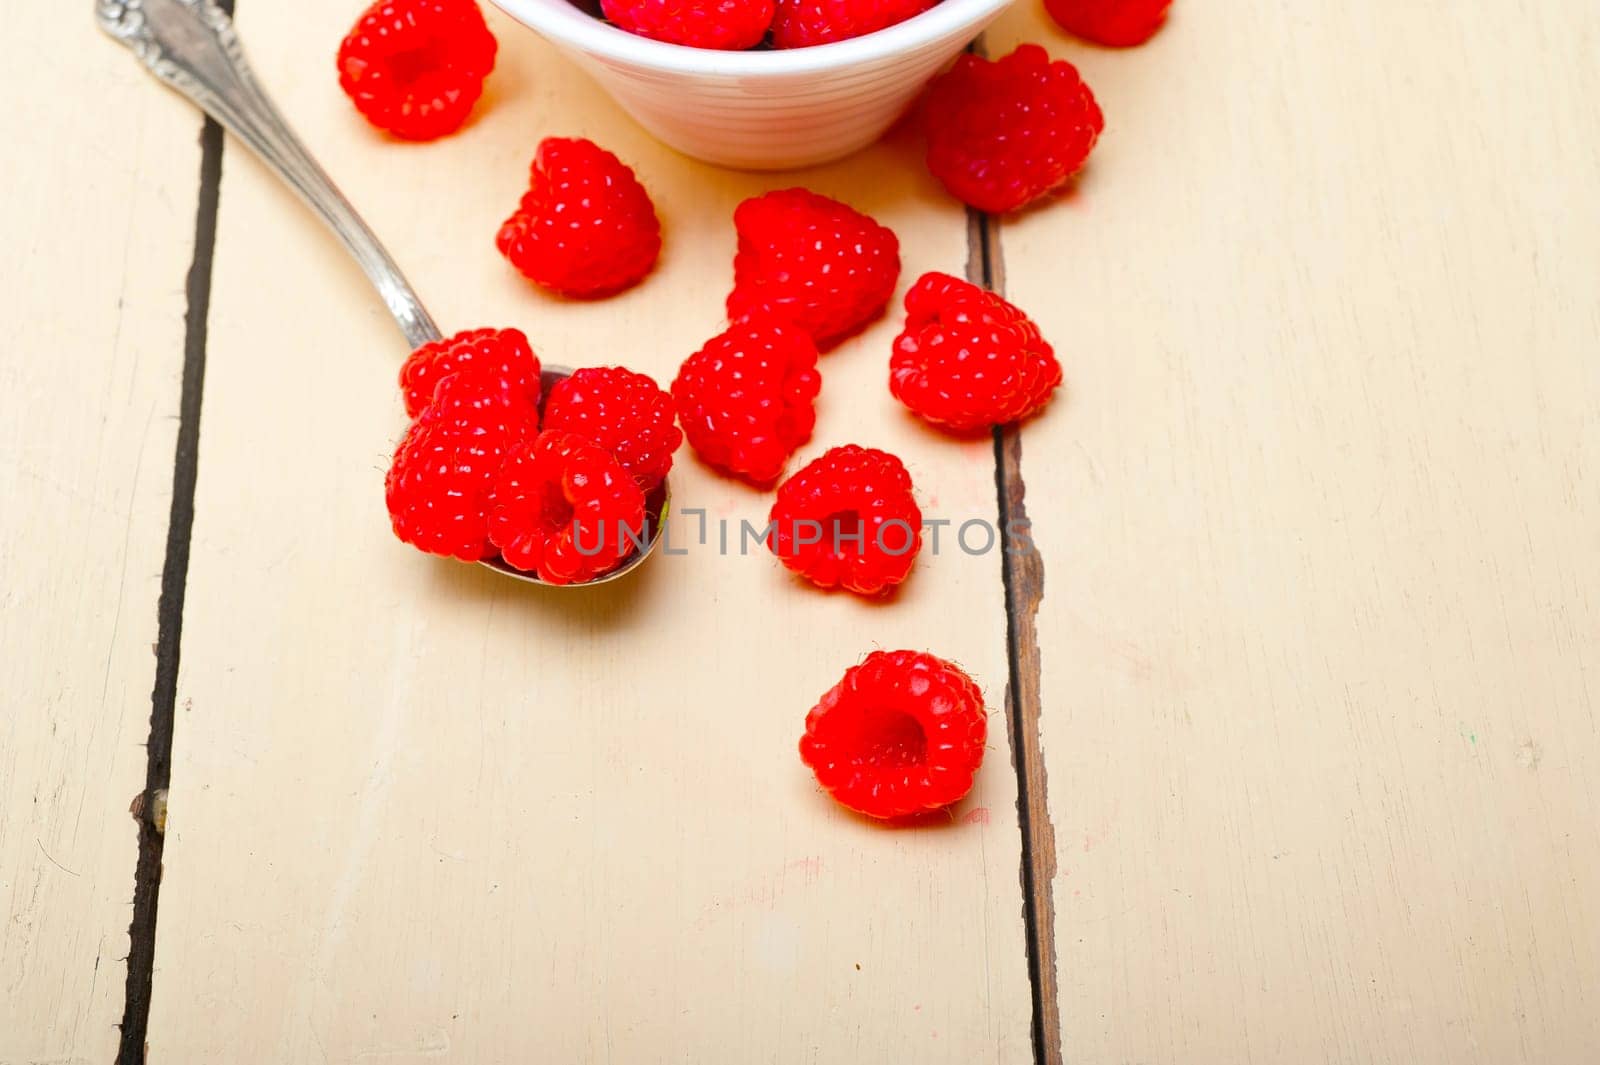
x=564, y=23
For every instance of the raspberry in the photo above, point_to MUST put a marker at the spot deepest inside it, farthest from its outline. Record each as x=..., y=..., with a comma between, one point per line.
x=564, y=508
x=900, y=734
x=817, y=262
x=967, y=359
x=585, y=227
x=416, y=67
x=503, y=353
x=438, y=485
x=802, y=23
x=625, y=413
x=746, y=399
x=1004, y=134
x=848, y=519
x=1117, y=23
x=720, y=24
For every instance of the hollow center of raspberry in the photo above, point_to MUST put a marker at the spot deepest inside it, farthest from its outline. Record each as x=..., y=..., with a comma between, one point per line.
x=893, y=739
x=411, y=65
x=555, y=513
x=845, y=531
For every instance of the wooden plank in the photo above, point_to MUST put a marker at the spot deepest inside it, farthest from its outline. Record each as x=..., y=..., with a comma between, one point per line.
x=1319, y=629
x=98, y=224
x=418, y=810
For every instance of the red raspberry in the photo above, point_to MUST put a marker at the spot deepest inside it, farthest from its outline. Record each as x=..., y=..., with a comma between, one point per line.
x=848, y=519
x=1003, y=134
x=624, y=412
x=817, y=262
x=1117, y=23
x=563, y=507
x=967, y=359
x=802, y=23
x=416, y=67
x=901, y=734
x=585, y=227
x=503, y=353
x=747, y=398
x=720, y=24
x=438, y=485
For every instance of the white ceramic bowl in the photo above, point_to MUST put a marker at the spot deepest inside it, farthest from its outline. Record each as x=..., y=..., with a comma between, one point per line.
x=763, y=110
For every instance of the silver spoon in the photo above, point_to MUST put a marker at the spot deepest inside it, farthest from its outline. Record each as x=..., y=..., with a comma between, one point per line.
x=192, y=46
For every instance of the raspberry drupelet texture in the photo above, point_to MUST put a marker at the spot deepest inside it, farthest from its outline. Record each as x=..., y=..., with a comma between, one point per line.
x=624, y=412
x=503, y=353
x=747, y=399
x=438, y=484
x=900, y=734
x=967, y=359
x=585, y=227
x=562, y=507
x=1115, y=23
x=1002, y=135
x=717, y=24
x=813, y=261
x=802, y=23
x=848, y=520
x=416, y=67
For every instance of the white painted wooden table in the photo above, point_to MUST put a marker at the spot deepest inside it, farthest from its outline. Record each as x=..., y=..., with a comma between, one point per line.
x=1298, y=695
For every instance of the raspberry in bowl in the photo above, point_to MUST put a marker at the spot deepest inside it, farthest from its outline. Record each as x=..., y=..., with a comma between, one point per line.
x=771, y=109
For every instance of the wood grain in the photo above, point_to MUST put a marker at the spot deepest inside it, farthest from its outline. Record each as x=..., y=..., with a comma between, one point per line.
x=418, y=811
x=1320, y=515
x=1024, y=579
x=97, y=222
x=1023, y=576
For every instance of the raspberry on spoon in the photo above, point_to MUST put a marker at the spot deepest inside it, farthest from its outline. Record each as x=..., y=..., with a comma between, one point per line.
x=504, y=353
x=624, y=412
x=438, y=486
x=562, y=507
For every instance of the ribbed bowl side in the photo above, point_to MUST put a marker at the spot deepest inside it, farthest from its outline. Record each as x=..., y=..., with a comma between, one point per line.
x=759, y=119
x=756, y=128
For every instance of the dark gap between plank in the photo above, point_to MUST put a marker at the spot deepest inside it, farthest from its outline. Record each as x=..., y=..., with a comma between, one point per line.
x=1022, y=574
x=169, y=611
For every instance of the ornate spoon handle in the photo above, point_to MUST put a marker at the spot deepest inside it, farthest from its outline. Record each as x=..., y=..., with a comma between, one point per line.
x=191, y=45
